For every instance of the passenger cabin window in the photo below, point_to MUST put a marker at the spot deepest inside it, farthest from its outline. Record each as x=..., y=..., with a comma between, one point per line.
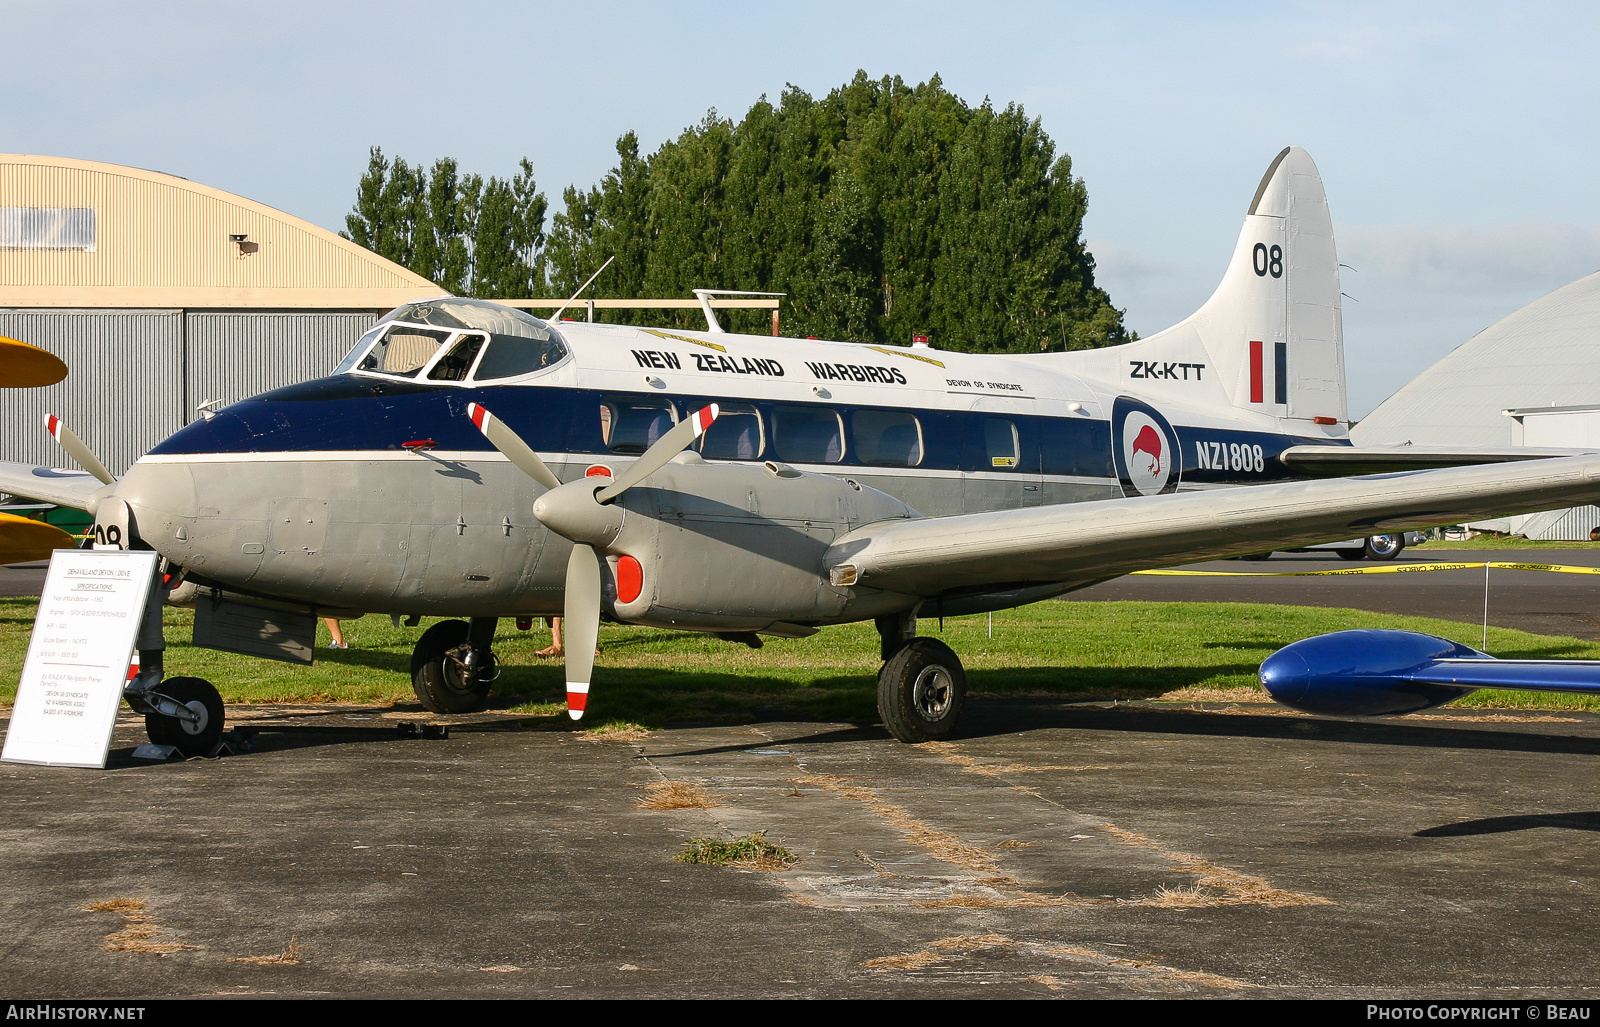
x=808, y=435
x=734, y=435
x=403, y=350
x=454, y=365
x=632, y=424
x=1000, y=443
x=886, y=438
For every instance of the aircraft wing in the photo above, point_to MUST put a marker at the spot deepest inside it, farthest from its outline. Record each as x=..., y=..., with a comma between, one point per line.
x=1343, y=461
x=73, y=489
x=1085, y=542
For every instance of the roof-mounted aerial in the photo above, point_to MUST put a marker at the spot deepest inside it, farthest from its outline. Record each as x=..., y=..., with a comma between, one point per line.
x=704, y=296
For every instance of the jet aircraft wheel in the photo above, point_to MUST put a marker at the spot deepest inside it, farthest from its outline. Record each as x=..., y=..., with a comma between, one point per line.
x=921, y=691
x=197, y=738
x=1384, y=547
x=1352, y=554
x=439, y=673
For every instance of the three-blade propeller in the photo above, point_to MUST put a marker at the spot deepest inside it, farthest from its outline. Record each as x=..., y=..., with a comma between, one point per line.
x=580, y=512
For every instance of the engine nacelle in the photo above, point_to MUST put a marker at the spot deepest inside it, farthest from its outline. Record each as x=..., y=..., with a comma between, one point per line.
x=736, y=547
x=1364, y=673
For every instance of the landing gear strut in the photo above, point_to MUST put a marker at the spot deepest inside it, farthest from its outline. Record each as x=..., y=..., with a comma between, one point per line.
x=185, y=713
x=922, y=686
x=452, y=667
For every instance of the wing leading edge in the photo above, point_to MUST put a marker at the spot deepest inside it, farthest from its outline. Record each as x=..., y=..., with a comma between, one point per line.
x=73, y=489
x=1092, y=541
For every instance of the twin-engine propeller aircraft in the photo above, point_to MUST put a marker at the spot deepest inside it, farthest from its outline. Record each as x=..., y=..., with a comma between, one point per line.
x=471, y=461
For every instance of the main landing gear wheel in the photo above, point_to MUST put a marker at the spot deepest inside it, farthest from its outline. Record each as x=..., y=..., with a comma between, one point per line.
x=921, y=691
x=1352, y=554
x=199, y=737
x=1384, y=547
x=440, y=671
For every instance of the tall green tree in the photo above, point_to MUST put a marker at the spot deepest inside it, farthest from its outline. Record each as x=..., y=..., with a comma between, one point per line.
x=471, y=236
x=882, y=210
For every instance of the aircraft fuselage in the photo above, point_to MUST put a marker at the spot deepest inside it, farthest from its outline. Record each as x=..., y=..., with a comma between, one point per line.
x=372, y=492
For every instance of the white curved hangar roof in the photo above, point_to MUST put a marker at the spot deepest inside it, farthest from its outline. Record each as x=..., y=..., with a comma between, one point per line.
x=1546, y=354
x=78, y=233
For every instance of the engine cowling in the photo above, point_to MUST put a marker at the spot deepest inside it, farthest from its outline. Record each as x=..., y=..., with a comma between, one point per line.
x=1363, y=673
x=736, y=547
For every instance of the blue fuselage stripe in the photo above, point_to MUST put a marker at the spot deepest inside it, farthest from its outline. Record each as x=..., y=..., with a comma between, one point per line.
x=358, y=414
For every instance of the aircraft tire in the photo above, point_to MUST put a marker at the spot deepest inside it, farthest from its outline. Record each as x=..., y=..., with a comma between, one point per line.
x=1352, y=554
x=190, y=739
x=1384, y=547
x=436, y=676
x=921, y=691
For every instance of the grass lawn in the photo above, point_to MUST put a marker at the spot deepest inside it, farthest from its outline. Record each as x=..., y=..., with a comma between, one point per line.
x=1080, y=650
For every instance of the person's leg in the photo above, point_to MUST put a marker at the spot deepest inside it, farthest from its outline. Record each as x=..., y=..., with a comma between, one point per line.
x=554, y=648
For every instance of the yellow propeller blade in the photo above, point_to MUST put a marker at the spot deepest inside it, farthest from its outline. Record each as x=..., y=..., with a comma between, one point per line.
x=27, y=367
x=23, y=539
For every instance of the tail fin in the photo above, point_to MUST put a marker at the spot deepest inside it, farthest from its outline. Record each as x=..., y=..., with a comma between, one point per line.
x=1270, y=339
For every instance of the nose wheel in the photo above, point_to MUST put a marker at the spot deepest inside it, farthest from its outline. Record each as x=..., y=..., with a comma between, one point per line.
x=921, y=691
x=452, y=667
x=185, y=713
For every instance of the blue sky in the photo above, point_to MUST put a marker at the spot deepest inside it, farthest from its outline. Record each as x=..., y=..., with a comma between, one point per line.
x=1458, y=142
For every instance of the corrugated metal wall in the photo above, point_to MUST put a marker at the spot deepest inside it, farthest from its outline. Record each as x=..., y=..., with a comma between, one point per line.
x=122, y=395
x=126, y=391
x=234, y=354
x=1572, y=525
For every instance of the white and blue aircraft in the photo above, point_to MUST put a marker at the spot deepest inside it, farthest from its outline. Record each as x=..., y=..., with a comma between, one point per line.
x=470, y=461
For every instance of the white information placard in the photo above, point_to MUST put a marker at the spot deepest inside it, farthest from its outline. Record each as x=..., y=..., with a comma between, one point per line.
x=78, y=658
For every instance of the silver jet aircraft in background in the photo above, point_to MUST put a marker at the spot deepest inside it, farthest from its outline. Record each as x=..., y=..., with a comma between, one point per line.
x=469, y=461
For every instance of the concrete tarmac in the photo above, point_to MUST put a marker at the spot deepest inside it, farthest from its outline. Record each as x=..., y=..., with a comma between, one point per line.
x=1053, y=851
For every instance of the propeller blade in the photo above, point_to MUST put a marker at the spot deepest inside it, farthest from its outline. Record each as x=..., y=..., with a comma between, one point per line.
x=76, y=449
x=510, y=443
x=657, y=456
x=581, y=627
x=28, y=367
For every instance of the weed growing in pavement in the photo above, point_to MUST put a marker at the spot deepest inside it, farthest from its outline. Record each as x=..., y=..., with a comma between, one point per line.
x=752, y=852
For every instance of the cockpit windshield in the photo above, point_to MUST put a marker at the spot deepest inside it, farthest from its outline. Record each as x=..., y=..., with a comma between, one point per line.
x=456, y=340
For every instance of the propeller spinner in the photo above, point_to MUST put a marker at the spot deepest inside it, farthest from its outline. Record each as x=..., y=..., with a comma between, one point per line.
x=580, y=512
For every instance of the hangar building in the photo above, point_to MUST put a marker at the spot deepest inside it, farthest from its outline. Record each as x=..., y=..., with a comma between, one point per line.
x=162, y=294
x=1532, y=378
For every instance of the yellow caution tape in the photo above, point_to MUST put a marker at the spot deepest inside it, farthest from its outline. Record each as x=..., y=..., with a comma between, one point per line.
x=1399, y=568
x=1404, y=568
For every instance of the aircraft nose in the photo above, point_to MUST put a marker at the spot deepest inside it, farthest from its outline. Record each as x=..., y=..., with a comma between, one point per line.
x=161, y=497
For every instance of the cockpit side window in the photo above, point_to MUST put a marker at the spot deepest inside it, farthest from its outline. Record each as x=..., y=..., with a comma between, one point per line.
x=403, y=350
x=512, y=355
x=454, y=365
